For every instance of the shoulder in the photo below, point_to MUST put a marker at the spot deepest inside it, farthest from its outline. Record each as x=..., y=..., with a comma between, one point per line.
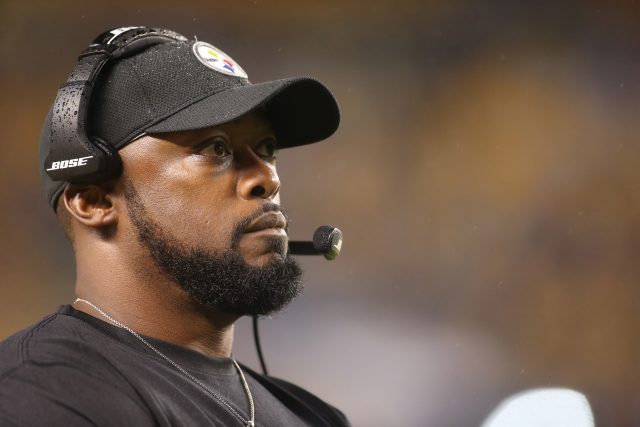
x=57, y=340
x=307, y=405
x=50, y=374
x=14, y=349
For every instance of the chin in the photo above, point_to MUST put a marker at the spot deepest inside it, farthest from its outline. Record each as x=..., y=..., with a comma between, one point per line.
x=265, y=259
x=270, y=250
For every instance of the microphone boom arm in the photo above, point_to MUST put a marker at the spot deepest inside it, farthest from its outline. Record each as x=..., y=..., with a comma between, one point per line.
x=302, y=248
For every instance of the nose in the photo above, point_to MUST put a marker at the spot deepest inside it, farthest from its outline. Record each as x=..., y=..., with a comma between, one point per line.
x=258, y=179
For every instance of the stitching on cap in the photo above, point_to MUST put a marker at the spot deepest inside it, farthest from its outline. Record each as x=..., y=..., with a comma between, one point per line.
x=157, y=118
x=144, y=89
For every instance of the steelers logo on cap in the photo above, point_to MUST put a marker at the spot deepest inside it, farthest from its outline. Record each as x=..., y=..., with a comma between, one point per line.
x=217, y=60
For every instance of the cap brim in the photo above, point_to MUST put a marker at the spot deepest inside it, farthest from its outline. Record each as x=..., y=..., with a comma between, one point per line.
x=301, y=109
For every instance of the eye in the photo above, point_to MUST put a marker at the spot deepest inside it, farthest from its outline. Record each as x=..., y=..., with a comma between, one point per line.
x=267, y=149
x=215, y=147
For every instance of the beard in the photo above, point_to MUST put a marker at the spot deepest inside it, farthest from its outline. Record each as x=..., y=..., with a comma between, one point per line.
x=223, y=280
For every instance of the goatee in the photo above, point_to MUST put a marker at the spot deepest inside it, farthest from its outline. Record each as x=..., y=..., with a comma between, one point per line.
x=221, y=281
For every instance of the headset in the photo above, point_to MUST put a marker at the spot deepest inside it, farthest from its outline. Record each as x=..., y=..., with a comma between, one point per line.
x=74, y=156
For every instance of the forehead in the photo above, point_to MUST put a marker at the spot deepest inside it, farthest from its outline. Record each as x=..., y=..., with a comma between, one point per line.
x=244, y=129
x=250, y=129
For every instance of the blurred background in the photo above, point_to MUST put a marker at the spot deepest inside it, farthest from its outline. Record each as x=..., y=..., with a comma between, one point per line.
x=485, y=177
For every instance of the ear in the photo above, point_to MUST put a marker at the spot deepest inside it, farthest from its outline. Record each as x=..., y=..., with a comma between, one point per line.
x=91, y=205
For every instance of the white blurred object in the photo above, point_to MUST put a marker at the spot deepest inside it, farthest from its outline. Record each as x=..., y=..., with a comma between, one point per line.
x=545, y=407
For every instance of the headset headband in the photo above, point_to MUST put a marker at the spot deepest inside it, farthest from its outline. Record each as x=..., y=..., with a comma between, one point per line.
x=72, y=155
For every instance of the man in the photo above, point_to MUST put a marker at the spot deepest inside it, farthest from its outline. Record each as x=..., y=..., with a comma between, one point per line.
x=183, y=236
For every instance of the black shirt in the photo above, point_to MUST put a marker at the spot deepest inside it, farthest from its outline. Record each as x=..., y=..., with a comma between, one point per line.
x=73, y=369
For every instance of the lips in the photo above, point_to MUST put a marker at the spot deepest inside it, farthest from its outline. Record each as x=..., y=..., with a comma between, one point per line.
x=267, y=221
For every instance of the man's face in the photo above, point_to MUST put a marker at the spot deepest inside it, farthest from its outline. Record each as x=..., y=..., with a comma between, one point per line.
x=199, y=184
x=205, y=205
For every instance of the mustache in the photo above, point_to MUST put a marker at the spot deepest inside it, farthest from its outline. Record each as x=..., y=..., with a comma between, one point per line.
x=238, y=230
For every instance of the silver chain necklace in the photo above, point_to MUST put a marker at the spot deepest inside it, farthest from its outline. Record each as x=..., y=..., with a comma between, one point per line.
x=251, y=422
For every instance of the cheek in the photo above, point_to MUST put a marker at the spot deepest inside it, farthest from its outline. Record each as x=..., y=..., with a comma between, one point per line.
x=195, y=206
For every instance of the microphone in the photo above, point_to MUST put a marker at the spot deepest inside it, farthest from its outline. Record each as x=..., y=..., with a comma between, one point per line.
x=327, y=241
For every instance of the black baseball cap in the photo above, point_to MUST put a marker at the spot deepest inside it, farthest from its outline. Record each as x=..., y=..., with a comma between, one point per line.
x=190, y=84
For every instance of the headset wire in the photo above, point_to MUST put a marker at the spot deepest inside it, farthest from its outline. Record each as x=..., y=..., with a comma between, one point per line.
x=256, y=337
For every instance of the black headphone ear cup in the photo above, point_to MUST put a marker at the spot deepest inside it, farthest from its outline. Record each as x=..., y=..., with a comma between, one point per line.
x=111, y=167
x=67, y=153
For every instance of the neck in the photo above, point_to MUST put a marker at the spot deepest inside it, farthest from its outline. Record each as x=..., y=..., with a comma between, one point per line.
x=151, y=305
